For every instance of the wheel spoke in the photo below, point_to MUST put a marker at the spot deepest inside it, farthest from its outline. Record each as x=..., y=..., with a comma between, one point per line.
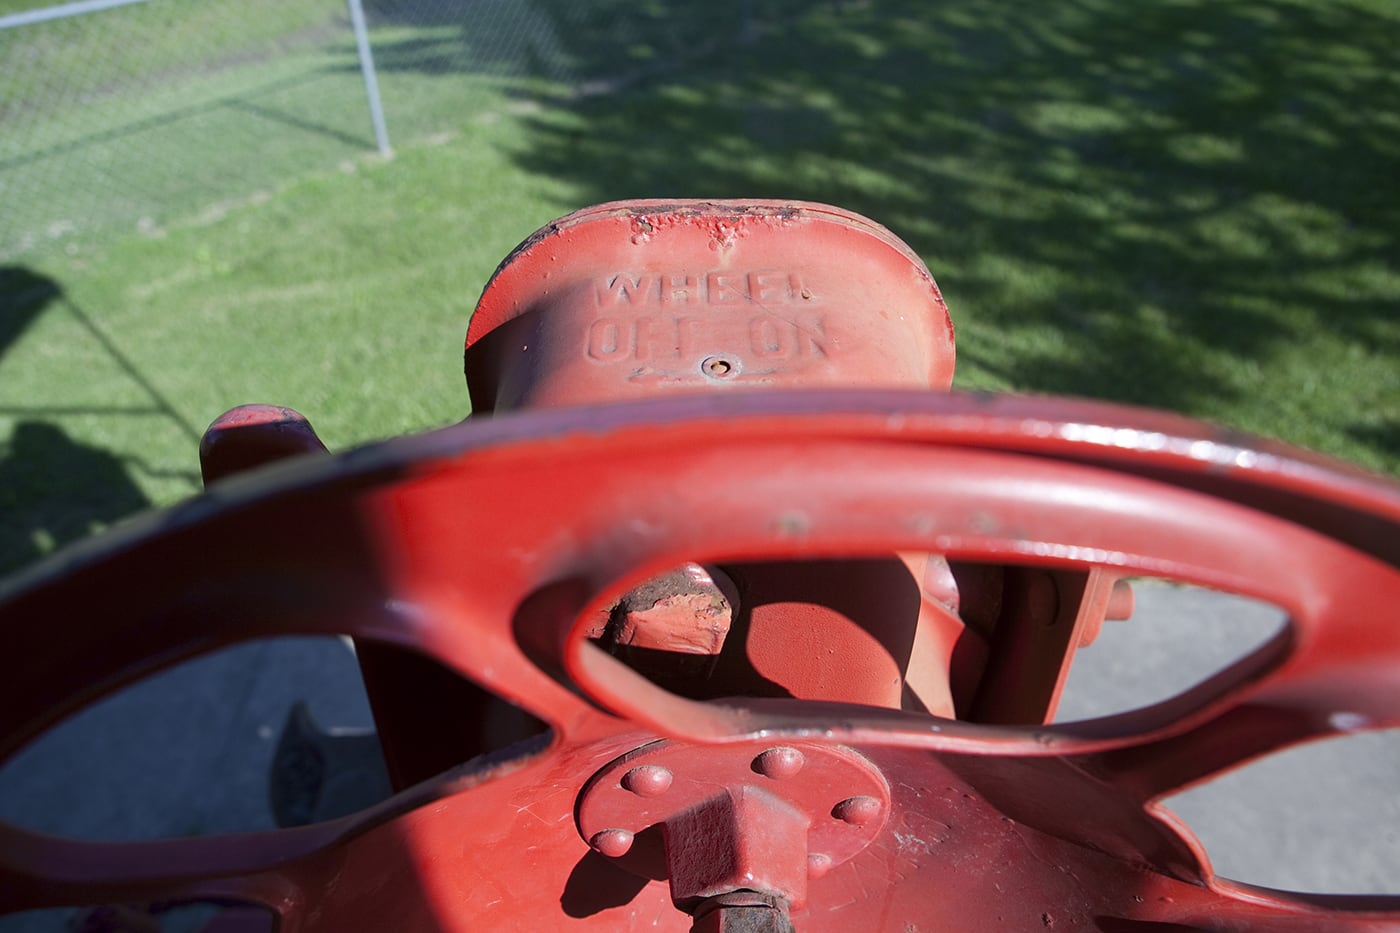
x=279, y=869
x=227, y=568
x=1228, y=905
x=38, y=871
x=1268, y=722
x=1333, y=672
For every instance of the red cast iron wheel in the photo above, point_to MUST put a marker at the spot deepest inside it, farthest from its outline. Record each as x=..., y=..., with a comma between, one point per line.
x=481, y=544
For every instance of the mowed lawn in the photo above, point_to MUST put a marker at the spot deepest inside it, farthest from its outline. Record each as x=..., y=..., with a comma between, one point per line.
x=1192, y=205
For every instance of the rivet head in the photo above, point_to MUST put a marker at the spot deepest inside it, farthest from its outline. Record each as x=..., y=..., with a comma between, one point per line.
x=779, y=763
x=857, y=810
x=613, y=843
x=648, y=781
x=818, y=865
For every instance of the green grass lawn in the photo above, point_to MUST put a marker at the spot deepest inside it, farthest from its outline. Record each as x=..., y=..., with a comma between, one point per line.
x=1189, y=204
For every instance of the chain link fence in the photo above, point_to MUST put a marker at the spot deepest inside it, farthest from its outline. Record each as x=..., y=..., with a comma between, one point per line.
x=130, y=118
x=125, y=118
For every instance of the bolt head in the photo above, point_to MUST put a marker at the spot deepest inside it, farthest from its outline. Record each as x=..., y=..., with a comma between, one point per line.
x=858, y=811
x=614, y=843
x=779, y=763
x=648, y=780
x=818, y=865
x=717, y=367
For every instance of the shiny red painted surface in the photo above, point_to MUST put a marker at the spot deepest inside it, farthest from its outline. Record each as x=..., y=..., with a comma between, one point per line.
x=366, y=544
x=644, y=298
x=493, y=546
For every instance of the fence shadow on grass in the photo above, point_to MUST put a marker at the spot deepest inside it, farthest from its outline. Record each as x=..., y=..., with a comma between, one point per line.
x=53, y=488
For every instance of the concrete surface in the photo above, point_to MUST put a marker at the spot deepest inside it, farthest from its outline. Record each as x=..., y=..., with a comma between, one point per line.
x=191, y=750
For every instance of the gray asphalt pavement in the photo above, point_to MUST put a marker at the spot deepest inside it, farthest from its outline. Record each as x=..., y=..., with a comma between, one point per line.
x=191, y=751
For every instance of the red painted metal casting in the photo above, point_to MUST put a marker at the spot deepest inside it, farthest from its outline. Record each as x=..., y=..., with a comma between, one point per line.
x=652, y=298
x=648, y=298
x=712, y=659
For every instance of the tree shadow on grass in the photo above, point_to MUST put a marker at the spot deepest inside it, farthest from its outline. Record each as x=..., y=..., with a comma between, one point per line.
x=1159, y=204
x=579, y=43
x=1382, y=434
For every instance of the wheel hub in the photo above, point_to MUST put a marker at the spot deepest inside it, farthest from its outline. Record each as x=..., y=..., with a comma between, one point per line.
x=758, y=817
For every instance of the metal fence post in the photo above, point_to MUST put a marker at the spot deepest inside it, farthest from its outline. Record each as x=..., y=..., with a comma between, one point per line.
x=63, y=11
x=376, y=109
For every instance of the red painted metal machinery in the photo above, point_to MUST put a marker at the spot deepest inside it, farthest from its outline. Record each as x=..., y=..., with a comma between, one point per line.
x=722, y=613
